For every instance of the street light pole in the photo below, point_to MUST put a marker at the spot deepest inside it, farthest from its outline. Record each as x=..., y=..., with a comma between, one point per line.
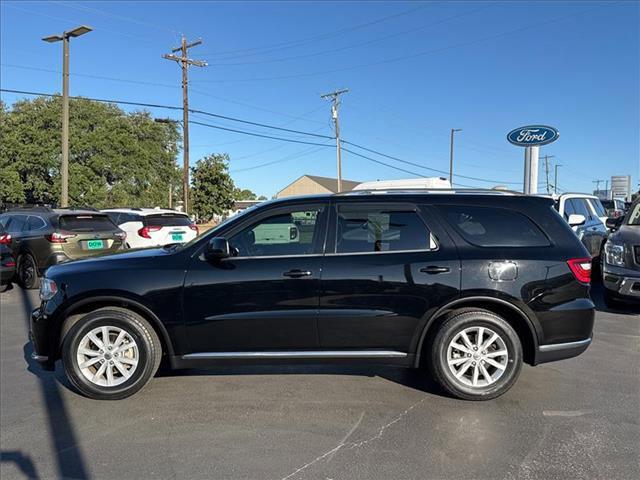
x=555, y=179
x=64, y=168
x=453, y=131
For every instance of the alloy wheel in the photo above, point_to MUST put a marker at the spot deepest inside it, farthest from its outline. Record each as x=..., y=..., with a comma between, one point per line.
x=477, y=356
x=107, y=356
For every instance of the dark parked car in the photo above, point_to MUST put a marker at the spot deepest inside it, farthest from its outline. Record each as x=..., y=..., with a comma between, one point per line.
x=615, y=208
x=621, y=266
x=7, y=262
x=41, y=237
x=470, y=285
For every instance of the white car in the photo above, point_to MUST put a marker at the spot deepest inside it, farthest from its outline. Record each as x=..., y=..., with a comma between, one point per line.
x=153, y=227
x=587, y=218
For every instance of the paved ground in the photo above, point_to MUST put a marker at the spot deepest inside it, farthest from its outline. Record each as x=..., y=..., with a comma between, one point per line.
x=575, y=419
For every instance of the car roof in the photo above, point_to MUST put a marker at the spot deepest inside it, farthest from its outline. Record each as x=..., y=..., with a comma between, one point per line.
x=143, y=211
x=52, y=212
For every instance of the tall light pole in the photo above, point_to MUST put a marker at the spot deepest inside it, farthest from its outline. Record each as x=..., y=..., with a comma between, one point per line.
x=555, y=179
x=64, y=169
x=335, y=98
x=453, y=131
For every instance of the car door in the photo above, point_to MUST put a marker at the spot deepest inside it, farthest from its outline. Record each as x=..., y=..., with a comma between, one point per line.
x=265, y=297
x=387, y=266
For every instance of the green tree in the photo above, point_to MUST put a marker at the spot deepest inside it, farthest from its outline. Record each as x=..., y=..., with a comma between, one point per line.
x=243, y=194
x=212, y=190
x=115, y=158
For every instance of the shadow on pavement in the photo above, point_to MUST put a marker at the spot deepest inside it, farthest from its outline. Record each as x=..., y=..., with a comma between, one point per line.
x=23, y=462
x=70, y=463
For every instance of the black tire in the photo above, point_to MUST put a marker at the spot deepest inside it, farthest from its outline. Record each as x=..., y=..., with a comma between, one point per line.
x=149, y=352
x=4, y=287
x=452, y=326
x=610, y=299
x=27, y=272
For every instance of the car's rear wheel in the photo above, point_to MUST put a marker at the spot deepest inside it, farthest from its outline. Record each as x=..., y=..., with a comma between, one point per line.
x=28, y=272
x=110, y=353
x=476, y=355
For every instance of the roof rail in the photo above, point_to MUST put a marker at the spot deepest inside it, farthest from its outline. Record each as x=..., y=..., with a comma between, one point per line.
x=430, y=191
x=32, y=208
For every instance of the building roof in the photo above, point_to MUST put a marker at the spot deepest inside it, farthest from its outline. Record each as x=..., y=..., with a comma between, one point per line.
x=331, y=184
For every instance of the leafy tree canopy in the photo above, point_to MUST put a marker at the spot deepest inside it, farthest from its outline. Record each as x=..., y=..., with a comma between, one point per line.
x=115, y=158
x=212, y=187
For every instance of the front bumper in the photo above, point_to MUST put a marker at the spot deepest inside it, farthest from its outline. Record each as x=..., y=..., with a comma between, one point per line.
x=39, y=336
x=623, y=282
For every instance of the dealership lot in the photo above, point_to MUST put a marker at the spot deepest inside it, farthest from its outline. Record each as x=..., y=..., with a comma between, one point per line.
x=574, y=419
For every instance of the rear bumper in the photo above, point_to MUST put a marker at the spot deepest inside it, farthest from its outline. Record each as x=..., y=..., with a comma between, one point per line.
x=6, y=274
x=560, y=351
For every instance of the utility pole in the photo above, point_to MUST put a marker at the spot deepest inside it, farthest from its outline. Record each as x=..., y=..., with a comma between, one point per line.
x=546, y=168
x=453, y=131
x=597, y=182
x=335, y=98
x=184, y=62
x=64, y=168
x=555, y=179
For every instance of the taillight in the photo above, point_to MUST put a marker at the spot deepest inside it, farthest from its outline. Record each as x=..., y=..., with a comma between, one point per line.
x=194, y=227
x=581, y=269
x=120, y=235
x=59, y=237
x=10, y=263
x=144, y=231
x=5, y=239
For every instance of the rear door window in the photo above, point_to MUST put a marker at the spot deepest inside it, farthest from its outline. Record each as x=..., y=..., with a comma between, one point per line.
x=17, y=224
x=167, y=220
x=371, y=229
x=493, y=227
x=86, y=223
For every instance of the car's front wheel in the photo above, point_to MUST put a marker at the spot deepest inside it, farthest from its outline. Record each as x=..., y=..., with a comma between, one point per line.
x=110, y=353
x=476, y=355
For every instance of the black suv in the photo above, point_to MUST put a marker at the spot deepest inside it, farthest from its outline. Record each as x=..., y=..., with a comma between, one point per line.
x=42, y=236
x=469, y=285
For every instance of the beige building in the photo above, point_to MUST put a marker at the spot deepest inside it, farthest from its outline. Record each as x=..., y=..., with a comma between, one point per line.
x=310, y=184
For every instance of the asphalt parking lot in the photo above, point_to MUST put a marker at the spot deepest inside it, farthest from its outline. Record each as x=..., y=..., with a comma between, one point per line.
x=579, y=418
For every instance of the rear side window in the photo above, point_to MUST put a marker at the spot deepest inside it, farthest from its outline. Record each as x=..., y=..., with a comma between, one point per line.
x=86, y=223
x=493, y=227
x=35, y=223
x=363, y=229
x=167, y=220
x=597, y=206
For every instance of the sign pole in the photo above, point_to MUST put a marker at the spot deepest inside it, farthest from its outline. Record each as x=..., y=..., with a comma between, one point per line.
x=526, y=188
x=533, y=169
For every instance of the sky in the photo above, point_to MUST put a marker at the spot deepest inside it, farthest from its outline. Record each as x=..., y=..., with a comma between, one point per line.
x=414, y=70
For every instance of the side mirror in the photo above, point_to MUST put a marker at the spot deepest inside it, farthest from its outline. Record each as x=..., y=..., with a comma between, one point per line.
x=217, y=249
x=575, y=220
x=613, y=223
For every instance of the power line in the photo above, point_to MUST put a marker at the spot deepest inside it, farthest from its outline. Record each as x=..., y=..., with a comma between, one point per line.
x=257, y=134
x=293, y=156
x=414, y=55
x=306, y=41
x=382, y=163
x=422, y=166
x=356, y=45
x=171, y=107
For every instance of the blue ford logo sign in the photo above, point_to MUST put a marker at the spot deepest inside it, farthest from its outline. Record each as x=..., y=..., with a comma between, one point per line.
x=533, y=135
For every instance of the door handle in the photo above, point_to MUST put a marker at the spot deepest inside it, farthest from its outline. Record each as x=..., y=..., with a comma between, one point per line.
x=297, y=273
x=433, y=269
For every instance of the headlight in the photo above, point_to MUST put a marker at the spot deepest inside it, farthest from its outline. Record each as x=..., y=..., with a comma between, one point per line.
x=614, y=254
x=48, y=289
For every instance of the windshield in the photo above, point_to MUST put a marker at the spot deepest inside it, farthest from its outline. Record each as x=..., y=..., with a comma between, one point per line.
x=634, y=215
